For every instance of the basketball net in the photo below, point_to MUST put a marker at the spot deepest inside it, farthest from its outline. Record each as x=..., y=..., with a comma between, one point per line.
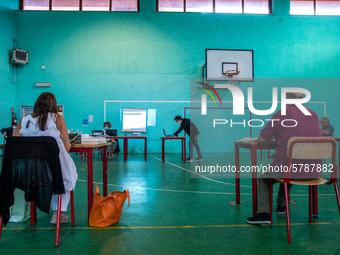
x=232, y=74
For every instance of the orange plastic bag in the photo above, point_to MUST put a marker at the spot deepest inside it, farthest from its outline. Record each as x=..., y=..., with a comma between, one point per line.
x=107, y=210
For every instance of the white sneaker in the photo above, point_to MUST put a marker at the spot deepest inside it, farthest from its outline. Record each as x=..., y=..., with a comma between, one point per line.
x=189, y=160
x=199, y=159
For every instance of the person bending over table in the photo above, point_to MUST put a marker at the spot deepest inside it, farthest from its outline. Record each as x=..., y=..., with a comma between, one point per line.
x=307, y=126
x=188, y=126
x=45, y=121
x=327, y=129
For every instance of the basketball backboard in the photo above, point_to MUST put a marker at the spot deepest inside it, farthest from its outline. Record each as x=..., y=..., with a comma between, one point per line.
x=219, y=62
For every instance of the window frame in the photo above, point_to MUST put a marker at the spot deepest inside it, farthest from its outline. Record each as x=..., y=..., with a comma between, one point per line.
x=28, y=109
x=314, y=11
x=214, y=4
x=21, y=7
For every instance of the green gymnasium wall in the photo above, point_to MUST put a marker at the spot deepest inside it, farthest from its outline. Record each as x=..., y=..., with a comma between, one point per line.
x=7, y=88
x=91, y=57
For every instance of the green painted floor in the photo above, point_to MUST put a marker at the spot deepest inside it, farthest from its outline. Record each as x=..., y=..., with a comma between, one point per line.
x=172, y=213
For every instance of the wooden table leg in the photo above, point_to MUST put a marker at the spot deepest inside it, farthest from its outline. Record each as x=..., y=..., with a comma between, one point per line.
x=185, y=149
x=163, y=156
x=125, y=148
x=145, y=148
x=104, y=155
x=182, y=149
x=254, y=180
x=237, y=174
x=315, y=200
x=89, y=181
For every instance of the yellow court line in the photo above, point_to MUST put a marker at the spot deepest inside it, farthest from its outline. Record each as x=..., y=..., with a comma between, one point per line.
x=173, y=227
x=82, y=169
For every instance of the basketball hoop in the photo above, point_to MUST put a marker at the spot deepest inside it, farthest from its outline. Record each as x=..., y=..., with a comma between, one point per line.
x=232, y=73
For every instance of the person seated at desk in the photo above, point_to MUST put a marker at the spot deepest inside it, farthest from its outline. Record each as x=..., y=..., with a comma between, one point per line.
x=45, y=121
x=327, y=129
x=114, y=147
x=307, y=126
x=8, y=132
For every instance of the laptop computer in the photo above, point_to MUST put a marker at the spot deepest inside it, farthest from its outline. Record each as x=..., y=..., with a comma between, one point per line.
x=165, y=134
x=111, y=132
x=97, y=132
x=75, y=138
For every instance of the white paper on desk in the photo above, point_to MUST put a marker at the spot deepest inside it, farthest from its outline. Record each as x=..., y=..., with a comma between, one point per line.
x=247, y=139
x=85, y=135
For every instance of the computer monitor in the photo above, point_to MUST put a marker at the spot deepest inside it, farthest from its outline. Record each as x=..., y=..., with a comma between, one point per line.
x=97, y=132
x=111, y=132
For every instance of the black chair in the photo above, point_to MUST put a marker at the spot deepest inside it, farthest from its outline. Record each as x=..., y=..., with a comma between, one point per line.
x=113, y=132
x=32, y=165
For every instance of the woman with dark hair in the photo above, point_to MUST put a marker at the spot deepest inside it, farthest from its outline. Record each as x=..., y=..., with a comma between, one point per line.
x=45, y=121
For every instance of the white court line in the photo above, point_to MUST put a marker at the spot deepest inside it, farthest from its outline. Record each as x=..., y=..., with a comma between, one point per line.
x=169, y=190
x=232, y=184
x=197, y=192
x=190, y=191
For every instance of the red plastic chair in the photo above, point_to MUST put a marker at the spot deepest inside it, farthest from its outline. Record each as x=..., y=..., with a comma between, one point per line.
x=307, y=148
x=42, y=149
x=34, y=216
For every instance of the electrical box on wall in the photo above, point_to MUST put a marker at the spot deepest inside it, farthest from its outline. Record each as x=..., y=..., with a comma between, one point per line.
x=20, y=57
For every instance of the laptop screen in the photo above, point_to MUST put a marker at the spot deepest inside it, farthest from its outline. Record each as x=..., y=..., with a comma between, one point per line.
x=97, y=132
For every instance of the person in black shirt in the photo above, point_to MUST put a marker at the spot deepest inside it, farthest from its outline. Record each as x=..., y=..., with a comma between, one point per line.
x=192, y=131
x=327, y=129
x=8, y=132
